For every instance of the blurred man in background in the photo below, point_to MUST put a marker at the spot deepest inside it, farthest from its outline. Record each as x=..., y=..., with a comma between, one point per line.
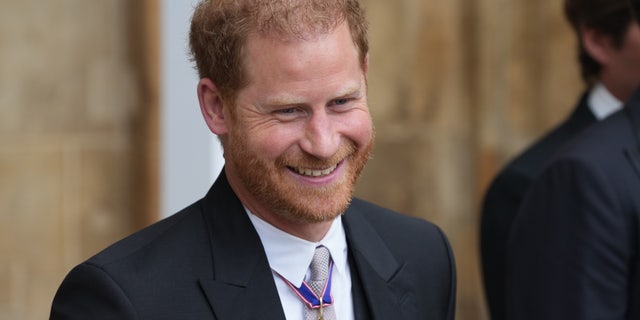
x=609, y=59
x=574, y=246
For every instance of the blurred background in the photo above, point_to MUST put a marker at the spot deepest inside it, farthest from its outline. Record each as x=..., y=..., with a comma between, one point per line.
x=100, y=132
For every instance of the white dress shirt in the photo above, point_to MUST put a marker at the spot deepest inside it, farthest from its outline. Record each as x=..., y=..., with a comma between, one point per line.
x=602, y=103
x=290, y=257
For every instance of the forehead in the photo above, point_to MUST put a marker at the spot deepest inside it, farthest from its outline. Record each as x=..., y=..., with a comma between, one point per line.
x=274, y=55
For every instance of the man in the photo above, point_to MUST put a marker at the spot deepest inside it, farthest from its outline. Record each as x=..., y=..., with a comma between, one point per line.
x=283, y=85
x=605, y=37
x=574, y=247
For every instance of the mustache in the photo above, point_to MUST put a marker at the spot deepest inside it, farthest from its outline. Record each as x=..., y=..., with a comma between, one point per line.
x=308, y=161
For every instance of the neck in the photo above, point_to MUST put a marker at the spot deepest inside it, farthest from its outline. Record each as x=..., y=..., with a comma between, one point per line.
x=312, y=232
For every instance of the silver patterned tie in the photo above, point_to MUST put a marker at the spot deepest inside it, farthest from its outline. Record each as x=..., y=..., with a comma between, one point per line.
x=317, y=280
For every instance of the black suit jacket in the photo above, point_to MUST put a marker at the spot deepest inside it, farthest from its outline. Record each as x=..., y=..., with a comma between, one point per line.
x=573, y=251
x=207, y=262
x=505, y=195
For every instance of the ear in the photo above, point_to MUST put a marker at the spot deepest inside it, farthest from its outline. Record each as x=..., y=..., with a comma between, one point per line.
x=597, y=44
x=212, y=107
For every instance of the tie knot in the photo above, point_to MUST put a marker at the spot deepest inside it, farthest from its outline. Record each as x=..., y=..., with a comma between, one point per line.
x=320, y=264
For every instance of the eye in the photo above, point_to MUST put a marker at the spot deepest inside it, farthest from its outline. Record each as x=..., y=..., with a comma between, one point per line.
x=342, y=104
x=286, y=111
x=288, y=114
x=340, y=101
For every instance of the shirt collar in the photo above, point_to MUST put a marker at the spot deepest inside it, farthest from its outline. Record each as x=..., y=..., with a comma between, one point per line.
x=290, y=256
x=602, y=103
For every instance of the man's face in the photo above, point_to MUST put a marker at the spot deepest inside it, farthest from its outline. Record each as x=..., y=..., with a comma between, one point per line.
x=625, y=63
x=300, y=133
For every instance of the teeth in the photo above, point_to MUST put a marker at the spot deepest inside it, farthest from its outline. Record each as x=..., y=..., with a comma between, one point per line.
x=315, y=173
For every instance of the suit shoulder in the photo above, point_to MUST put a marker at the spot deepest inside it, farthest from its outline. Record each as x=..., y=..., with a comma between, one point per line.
x=146, y=237
x=159, y=261
x=603, y=139
x=534, y=158
x=392, y=224
x=376, y=212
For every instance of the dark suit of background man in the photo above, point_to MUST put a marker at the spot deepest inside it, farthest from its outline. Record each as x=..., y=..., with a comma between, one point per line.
x=574, y=250
x=574, y=247
x=283, y=86
x=606, y=61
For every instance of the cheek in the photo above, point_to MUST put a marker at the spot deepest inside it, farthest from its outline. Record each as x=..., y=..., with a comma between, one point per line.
x=360, y=130
x=272, y=143
x=634, y=44
x=632, y=65
x=636, y=56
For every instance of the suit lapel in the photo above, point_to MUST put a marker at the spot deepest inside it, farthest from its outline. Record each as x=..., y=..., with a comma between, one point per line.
x=377, y=267
x=241, y=284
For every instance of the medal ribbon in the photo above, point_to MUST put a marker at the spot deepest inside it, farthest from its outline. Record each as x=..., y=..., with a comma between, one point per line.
x=309, y=297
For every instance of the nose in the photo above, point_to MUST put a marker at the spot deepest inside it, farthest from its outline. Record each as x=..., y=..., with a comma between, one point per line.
x=321, y=139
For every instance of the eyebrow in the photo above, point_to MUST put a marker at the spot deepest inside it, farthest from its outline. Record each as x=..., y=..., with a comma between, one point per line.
x=290, y=100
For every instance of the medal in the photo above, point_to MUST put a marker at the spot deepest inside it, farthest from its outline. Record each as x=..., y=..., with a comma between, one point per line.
x=320, y=311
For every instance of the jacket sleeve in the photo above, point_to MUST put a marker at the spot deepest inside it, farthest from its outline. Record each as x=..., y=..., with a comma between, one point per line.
x=88, y=292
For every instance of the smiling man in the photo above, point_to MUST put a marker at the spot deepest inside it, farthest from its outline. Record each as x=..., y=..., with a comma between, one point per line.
x=279, y=235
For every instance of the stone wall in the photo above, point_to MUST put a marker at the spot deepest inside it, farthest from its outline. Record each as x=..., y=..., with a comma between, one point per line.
x=71, y=108
x=457, y=88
